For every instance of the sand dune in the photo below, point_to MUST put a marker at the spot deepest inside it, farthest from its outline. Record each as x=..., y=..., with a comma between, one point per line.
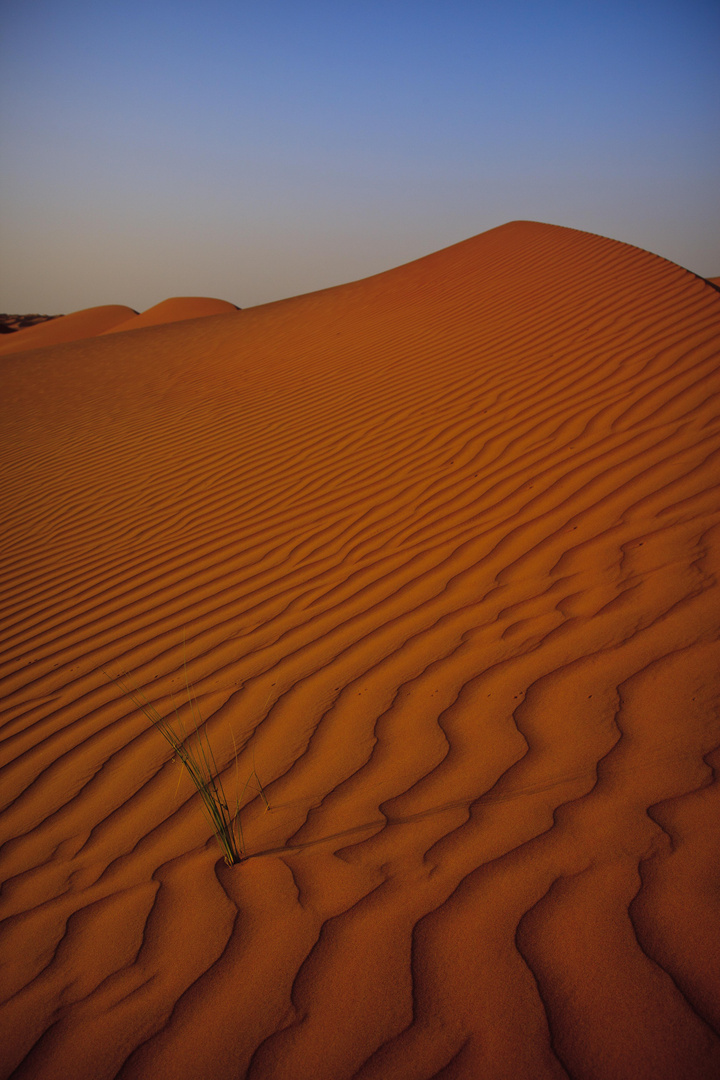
x=176, y=309
x=80, y=324
x=439, y=549
x=111, y=319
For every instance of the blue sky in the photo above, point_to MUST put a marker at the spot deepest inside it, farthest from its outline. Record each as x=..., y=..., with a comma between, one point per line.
x=253, y=151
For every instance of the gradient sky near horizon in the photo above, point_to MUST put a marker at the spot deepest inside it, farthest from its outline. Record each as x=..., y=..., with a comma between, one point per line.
x=254, y=151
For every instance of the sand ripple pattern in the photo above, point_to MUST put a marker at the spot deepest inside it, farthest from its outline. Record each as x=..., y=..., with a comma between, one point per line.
x=440, y=550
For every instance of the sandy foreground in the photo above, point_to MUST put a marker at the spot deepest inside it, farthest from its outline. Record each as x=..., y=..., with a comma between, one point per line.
x=439, y=551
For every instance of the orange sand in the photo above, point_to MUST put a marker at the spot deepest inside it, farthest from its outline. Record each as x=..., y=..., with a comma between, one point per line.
x=81, y=324
x=176, y=309
x=111, y=319
x=440, y=548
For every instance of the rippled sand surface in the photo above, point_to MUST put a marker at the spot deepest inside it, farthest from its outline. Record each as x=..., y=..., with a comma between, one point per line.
x=439, y=551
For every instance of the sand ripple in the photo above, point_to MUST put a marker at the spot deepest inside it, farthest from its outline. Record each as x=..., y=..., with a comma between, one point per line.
x=440, y=549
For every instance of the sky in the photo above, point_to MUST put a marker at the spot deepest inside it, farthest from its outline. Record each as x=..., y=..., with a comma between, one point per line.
x=257, y=150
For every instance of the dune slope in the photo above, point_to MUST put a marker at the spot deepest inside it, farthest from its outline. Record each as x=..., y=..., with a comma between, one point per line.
x=176, y=309
x=439, y=552
x=79, y=324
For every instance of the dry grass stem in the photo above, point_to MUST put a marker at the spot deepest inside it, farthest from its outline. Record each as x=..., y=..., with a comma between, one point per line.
x=199, y=761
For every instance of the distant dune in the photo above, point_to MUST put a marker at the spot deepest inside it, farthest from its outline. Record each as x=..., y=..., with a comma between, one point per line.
x=438, y=553
x=175, y=310
x=111, y=319
x=80, y=324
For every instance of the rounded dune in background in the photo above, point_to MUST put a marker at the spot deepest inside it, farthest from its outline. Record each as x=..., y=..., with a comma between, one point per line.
x=80, y=324
x=176, y=309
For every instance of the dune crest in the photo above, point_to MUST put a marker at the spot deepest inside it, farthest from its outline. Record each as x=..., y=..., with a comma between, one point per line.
x=79, y=324
x=111, y=319
x=438, y=552
x=176, y=309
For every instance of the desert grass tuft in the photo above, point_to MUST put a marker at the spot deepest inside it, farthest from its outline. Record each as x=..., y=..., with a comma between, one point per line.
x=199, y=761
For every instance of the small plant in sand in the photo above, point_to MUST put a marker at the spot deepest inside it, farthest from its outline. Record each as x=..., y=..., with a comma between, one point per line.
x=199, y=761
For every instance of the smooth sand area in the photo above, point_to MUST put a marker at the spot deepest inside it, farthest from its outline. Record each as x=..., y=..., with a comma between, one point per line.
x=111, y=319
x=176, y=309
x=80, y=324
x=439, y=549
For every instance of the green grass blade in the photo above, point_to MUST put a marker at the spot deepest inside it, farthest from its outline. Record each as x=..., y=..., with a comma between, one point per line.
x=201, y=765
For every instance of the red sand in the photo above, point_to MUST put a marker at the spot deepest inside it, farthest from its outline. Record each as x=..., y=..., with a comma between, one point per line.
x=176, y=309
x=111, y=319
x=80, y=324
x=440, y=548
